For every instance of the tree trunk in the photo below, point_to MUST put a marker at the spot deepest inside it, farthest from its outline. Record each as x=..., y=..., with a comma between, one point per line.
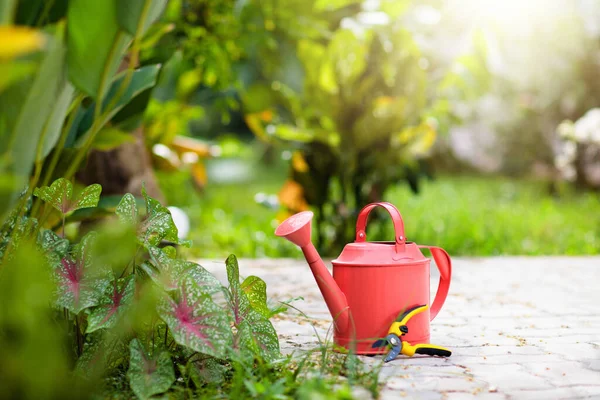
x=122, y=170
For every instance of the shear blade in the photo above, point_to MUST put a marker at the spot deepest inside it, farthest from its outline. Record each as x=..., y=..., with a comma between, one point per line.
x=393, y=353
x=379, y=343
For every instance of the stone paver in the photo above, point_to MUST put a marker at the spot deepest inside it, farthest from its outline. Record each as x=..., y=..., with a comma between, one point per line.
x=519, y=328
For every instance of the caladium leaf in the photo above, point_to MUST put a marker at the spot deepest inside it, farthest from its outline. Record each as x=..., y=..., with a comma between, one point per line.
x=238, y=301
x=79, y=284
x=170, y=251
x=255, y=333
x=114, y=303
x=127, y=210
x=101, y=352
x=196, y=321
x=50, y=242
x=207, y=370
x=89, y=197
x=59, y=195
x=158, y=224
x=256, y=336
x=52, y=246
x=256, y=291
x=167, y=272
x=149, y=375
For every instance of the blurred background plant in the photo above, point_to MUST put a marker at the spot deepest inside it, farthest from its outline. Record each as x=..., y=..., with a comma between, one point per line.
x=242, y=112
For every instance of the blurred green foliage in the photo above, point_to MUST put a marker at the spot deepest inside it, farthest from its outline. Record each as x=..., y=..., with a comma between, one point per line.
x=60, y=85
x=366, y=114
x=467, y=216
x=135, y=319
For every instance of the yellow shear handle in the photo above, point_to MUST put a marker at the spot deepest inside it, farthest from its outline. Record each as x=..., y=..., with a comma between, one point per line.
x=428, y=349
x=403, y=320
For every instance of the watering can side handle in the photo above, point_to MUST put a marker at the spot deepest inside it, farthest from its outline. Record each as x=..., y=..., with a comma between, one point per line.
x=444, y=264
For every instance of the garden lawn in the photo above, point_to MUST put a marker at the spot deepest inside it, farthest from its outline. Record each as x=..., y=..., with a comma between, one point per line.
x=468, y=216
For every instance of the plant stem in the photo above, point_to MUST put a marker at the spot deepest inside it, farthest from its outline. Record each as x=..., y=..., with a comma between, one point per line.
x=44, y=14
x=153, y=337
x=79, y=337
x=166, y=334
x=57, y=152
x=63, y=226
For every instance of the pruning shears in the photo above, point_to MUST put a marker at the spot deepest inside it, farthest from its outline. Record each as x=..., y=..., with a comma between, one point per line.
x=399, y=346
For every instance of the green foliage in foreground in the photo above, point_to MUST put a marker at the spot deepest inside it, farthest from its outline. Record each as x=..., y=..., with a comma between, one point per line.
x=467, y=216
x=120, y=315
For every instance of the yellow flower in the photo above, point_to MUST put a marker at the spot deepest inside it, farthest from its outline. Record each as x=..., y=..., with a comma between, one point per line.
x=19, y=40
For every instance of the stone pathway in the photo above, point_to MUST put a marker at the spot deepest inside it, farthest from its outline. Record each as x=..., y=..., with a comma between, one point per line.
x=519, y=328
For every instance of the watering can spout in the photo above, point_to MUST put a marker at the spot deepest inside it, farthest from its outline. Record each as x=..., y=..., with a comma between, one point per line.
x=297, y=229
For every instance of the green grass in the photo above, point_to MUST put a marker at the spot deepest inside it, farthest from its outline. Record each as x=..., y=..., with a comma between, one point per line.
x=493, y=216
x=467, y=216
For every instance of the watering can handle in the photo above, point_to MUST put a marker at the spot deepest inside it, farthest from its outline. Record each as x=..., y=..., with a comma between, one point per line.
x=363, y=216
x=444, y=264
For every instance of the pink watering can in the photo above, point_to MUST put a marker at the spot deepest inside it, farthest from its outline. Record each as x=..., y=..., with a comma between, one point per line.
x=373, y=283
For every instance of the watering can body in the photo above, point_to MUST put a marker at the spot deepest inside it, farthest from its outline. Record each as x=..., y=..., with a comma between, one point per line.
x=374, y=282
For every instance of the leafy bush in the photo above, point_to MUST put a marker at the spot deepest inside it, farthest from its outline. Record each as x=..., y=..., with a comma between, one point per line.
x=120, y=311
x=60, y=85
x=365, y=115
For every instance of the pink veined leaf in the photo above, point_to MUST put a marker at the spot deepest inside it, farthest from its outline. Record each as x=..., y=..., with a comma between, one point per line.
x=167, y=272
x=115, y=301
x=127, y=211
x=196, y=321
x=79, y=284
x=59, y=195
x=255, y=334
x=149, y=376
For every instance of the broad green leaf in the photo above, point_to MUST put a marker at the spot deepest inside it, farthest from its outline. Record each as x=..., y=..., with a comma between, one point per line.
x=256, y=291
x=347, y=54
x=256, y=336
x=328, y=79
x=89, y=197
x=52, y=246
x=238, y=301
x=170, y=251
x=114, y=303
x=255, y=333
x=54, y=125
x=196, y=321
x=207, y=371
x=7, y=11
x=58, y=195
x=127, y=210
x=111, y=138
x=292, y=133
x=158, y=224
x=133, y=13
x=103, y=352
x=96, y=44
x=149, y=375
x=167, y=272
x=141, y=80
x=80, y=284
x=15, y=71
x=26, y=106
